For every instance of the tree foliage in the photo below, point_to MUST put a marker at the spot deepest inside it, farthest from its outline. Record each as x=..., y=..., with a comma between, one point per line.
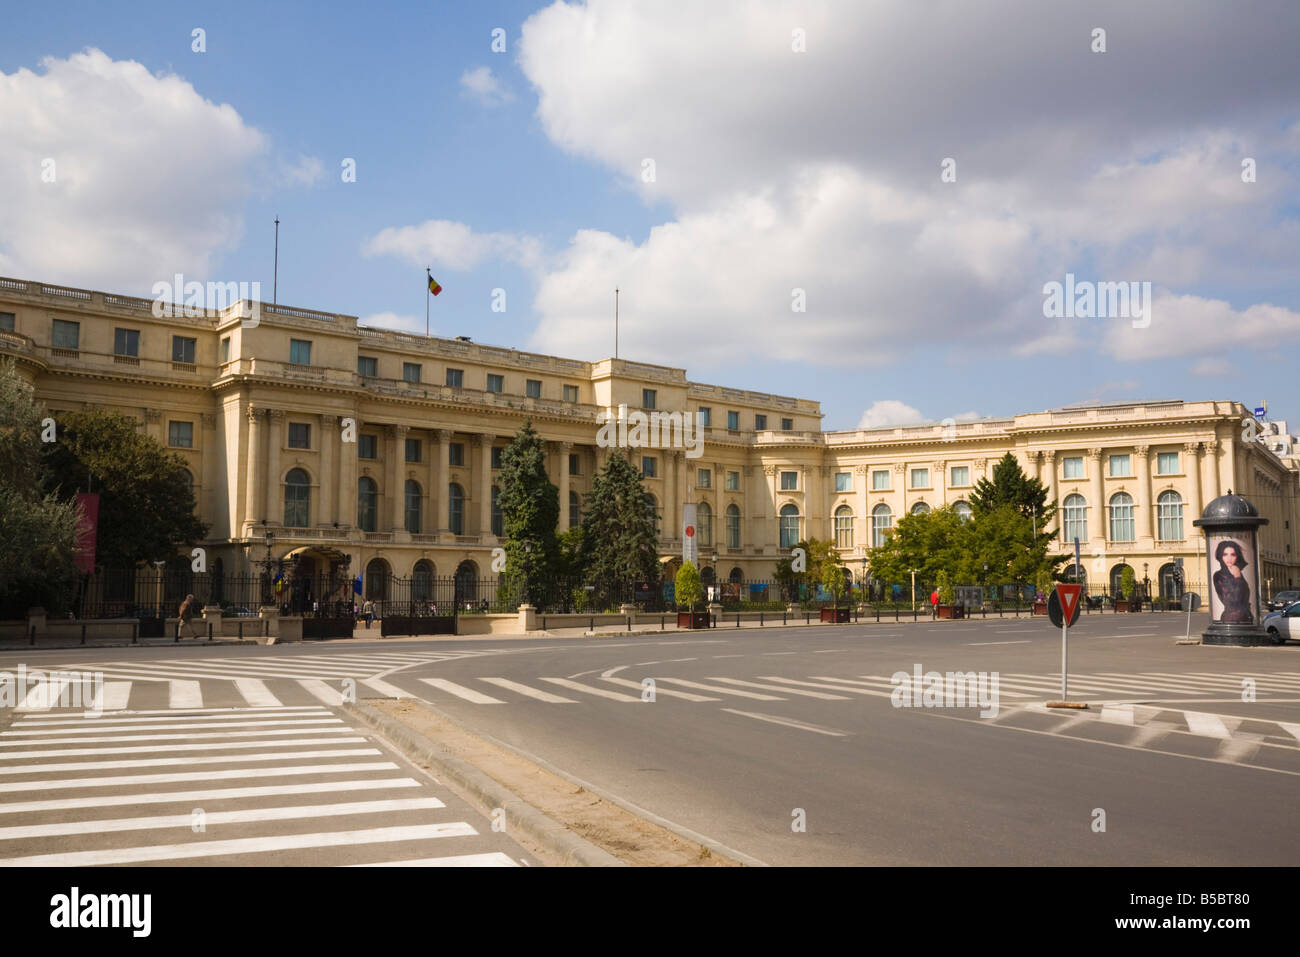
x=37, y=531
x=619, y=542
x=146, y=502
x=530, y=509
x=816, y=553
x=1011, y=486
x=687, y=589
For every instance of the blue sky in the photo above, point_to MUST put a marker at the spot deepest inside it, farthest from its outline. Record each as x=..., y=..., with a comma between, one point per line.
x=776, y=169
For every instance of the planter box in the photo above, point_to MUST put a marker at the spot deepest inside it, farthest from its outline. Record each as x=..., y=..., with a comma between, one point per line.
x=1135, y=606
x=1040, y=608
x=1121, y=605
x=837, y=615
x=950, y=611
x=697, y=619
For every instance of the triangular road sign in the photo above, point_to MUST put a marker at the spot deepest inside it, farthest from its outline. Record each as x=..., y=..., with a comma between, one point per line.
x=1069, y=598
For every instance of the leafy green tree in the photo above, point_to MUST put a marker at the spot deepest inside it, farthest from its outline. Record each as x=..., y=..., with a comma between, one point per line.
x=146, y=500
x=943, y=585
x=619, y=541
x=1011, y=486
x=817, y=553
x=831, y=578
x=687, y=589
x=1004, y=539
x=1128, y=583
x=929, y=542
x=530, y=510
x=37, y=531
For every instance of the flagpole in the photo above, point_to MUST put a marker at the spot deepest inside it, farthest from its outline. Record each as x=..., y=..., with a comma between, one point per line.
x=275, y=275
x=428, y=278
x=615, y=322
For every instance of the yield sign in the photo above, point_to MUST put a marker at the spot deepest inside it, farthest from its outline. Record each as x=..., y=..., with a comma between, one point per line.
x=1069, y=598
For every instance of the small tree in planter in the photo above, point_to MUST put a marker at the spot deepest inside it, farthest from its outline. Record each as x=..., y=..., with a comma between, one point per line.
x=689, y=592
x=832, y=582
x=947, y=595
x=1042, y=587
x=1128, y=588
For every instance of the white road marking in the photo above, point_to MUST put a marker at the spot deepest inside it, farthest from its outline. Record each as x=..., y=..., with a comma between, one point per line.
x=185, y=694
x=795, y=691
x=386, y=689
x=587, y=689
x=527, y=691
x=124, y=719
x=256, y=693
x=1291, y=729
x=321, y=691
x=220, y=735
x=172, y=746
x=247, y=845
x=97, y=728
x=209, y=794
x=1208, y=725
x=788, y=722
x=114, y=696
x=714, y=688
x=827, y=687
x=629, y=683
x=133, y=779
x=245, y=816
x=496, y=859
x=1117, y=714
x=1022, y=641
x=460, y=691
x=44, y=695
x=188, y=761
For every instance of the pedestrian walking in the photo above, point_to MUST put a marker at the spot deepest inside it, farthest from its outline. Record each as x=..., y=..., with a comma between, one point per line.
x=185, y=617
x=368, y=609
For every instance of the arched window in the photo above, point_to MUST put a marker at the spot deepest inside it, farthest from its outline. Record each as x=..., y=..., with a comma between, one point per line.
x=707, y=576
x=704, y=525
x=733, y=526
x=422, y=580
x=1170, y=578
x=1170, y=509
x=466, y=582
x=367, y=503
x=736, y=576
x=1076, y=575
x=498, y=519
x=188, y=478
x=377, y=579
x=456, y=508
x=297, y=499
x=789, y=526
x=1116, y=579
x=962, y=510
x=844, y=527
x=920, y=508
x=1121, y=517
x=414, y=496
x=1074, y=521
x=881, y=520
x=575, y=510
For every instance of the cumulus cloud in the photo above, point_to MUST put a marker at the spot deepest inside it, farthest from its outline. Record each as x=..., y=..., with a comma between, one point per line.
x=485, y=87
x=1213, y=368
x=890, y=412
x=393, y=320
x=451, y=245
x=304, y=171
x=117, y=177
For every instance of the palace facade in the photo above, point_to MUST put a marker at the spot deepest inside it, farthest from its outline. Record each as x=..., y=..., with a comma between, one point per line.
x=382, y=448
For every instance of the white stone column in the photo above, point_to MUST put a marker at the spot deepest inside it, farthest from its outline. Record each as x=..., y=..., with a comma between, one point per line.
x=274, y=490
x=349, y=465
x=1192, y=468
x=939, y=482
x=443, y=487
x=153, y=419
x=485, y=485
x=566, y=448
x=328, y=480
x=1144, y=525
x=1097, y=496
x=206, y=499
x=1212, y=460
x=863, y=539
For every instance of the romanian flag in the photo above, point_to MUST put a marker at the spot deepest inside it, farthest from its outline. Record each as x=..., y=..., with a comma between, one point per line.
x=433, y=286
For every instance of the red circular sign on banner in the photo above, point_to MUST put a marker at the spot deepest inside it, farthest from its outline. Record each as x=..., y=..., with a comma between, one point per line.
x=690, y=531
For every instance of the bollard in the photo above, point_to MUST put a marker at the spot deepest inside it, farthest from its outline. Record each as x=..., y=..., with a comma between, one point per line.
x=629, y=622
x=209, y=631
x=877, y=614
x=737, y=619
x=760, y=619
x=783, y=621
x=593, y=622
x=895, y=611
x=83, y=632
x=661, y=622
x=241, y=629
x=135, y=626
x=33, y=641
x=807, y=618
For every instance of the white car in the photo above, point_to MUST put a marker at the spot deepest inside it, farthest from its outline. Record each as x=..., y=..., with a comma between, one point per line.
x=1283, y=624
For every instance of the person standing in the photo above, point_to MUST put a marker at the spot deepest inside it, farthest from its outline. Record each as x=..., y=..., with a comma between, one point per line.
x=368, y=609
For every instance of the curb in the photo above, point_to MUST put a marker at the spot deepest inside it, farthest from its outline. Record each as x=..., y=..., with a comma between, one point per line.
x=555, y=837
x=125, y=643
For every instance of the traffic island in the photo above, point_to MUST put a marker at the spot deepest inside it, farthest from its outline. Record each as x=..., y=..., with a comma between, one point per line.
x=564, y=820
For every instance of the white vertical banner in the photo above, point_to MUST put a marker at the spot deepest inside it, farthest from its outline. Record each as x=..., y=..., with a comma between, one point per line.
x=690, y=541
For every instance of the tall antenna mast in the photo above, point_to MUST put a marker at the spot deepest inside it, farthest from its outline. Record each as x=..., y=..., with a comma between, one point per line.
x=615, y=322
x=275, y=276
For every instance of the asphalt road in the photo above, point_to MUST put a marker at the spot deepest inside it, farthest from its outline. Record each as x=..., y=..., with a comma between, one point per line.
x=785, y=744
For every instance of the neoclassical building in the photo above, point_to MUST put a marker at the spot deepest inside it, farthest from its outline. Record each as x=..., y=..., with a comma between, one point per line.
x=383, y=447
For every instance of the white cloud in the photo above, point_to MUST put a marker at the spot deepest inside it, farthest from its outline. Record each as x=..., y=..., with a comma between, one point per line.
x=451, y=245
x=393, y=320
x=485, y=87
x=1213, y=368
x=890, y=412
x=1192, y=325
x=148, y=174
x=305, y=171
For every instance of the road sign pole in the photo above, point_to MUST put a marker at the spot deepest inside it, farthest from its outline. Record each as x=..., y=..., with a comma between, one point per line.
x=1063, y=606
x=1065, y=693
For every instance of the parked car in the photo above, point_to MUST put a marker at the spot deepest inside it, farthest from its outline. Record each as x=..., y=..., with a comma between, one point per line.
x=1282, y=599
x=1283, y=624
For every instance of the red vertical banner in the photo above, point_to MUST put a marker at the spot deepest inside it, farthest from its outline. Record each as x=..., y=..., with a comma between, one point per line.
x=87, y=531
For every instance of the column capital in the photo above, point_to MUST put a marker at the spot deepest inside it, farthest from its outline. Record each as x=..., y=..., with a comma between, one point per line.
x=899, y=467
x=769, y=470
x=444, y=435
x=980, y=464
x=400, y=430
x=253, y=413
x=153, y=415
x=939, y=466
x=275, y=414
x=1095, y=454
x=1191, y=448
x=483, y=438
x=1034, y=455
x=1142, y=450
x=1212, y=446
x=566, y=447
x=209, y=420
x=862, y=470
x=329, y=420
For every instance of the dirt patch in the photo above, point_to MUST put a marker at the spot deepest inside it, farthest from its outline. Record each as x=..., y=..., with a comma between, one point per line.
x=628, y=837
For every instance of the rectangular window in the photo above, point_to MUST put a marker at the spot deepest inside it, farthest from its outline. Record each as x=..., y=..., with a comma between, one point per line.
x=787, y=425
x=299, y=352
x=960, y=475
x=648, y=398
x=455, y=378
x=570, y=393
x=1119, y=466
x=1074, y=466
x=368, y=366
x=456, y=453
x=733, y=421
x=733, y=481
x=6, y=322
x=760, y=423
x=299, y=435
x=705, y=418
x=496, y=383
x=920, y=478
x=844, y=481
x=649, y=466
x=533, y=388
x=367, y=447
x=1167, y=463
x=180, y=435
x=126, y=342
x=573, y=464
x=880, y=480
x=410, y=372
x=496, y=456
x=789, y=481
x=703, y=478
x=225, y=348
x=413, y=450
x=65, y=334
x=183, y=349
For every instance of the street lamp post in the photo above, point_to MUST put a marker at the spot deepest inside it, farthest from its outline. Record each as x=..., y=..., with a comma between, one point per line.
x=913, y=591
x=158, y=599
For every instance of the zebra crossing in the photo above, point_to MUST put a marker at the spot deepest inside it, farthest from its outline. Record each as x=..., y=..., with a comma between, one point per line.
x=266, y=785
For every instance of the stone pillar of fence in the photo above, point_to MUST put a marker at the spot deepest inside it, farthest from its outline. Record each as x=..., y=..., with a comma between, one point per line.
x=36, y=619
x=527, y=618
x=212, y=615
x=271, y=615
